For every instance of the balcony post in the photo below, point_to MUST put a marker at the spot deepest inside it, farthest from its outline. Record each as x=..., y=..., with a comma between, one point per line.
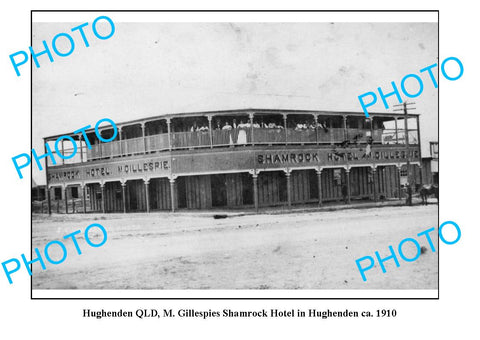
x=371, y=129
x=147, y=194
x=396, y=131
x=399, y=185
x=80, y=146
x=172, y=191
x=63, y=153
x=120, y=140
x=210, y=133
x=49, y=203
x=250, y=116
x=102, y=187
x=73, y=205
x=345, y=134
x=315, y=116
x=289, y=187
x=65, y=198
x=374, y=175
x=319, y=183
x=99, y=146
x=285, y=127
x=255, y=188
x=84, y=198
x=347, y=174
x=124, y=196
x=142, y=124
x=111, y=150
x=169, y=131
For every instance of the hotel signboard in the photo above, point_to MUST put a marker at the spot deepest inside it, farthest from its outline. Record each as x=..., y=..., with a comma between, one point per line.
x=111, y=170
x=207, y=161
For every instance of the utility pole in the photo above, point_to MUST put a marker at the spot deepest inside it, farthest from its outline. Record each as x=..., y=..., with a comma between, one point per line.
x=405, y=111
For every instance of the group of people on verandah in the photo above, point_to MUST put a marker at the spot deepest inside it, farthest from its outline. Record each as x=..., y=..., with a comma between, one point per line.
x=245, y=125
x=239, y=130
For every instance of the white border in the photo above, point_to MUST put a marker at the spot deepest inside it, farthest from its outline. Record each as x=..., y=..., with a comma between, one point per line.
x=238, y=294
x=149, y=16
x=174, y=17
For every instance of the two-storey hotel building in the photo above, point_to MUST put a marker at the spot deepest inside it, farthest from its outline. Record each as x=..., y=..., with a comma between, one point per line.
x=248, y=158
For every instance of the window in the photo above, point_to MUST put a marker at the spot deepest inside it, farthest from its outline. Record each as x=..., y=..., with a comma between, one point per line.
x=74, y=191
x=57, y=192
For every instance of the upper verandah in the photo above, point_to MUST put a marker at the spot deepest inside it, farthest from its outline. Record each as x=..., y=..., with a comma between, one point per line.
x=249, y=113
x=249, y=127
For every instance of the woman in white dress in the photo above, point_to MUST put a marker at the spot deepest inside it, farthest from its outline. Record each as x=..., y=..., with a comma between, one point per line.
x=242, y=133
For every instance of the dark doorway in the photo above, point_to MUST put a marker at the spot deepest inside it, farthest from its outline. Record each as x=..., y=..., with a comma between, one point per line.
x=133, y=200
x=313, y=184
x=160, y=197
x=96, y=197
x=247, y=185
x=136, y=195
x=181, y=192
x=282, y=185
x=219, y=190
x=74, y=191
x=113, y=197
x=57, y=194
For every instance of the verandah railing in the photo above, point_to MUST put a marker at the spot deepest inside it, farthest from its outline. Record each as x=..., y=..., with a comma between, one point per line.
x=236, y=137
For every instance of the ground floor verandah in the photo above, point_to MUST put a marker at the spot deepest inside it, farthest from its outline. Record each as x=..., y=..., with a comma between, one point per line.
x=237, y=190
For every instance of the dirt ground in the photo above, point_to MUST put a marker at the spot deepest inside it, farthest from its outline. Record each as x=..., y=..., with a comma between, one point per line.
x=304, y=250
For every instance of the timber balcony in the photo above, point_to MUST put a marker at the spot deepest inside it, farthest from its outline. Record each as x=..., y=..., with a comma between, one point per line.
x=231, y=129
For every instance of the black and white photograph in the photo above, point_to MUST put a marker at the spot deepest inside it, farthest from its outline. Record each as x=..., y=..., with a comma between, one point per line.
x=235, y=155
x=254, y=170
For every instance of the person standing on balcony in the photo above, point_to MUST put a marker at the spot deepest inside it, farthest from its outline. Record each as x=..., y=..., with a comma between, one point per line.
x=299, y=127
x=228, y=129
x=194, y=127
x=323, y=125
x=242, y=133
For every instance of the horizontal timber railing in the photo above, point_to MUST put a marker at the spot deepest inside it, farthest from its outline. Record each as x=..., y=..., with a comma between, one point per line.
x=238, y=137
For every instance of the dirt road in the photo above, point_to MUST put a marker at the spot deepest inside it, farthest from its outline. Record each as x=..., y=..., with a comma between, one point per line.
x=314, y=250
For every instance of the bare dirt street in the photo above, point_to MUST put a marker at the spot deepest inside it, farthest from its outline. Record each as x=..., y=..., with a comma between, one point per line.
x=315, y=250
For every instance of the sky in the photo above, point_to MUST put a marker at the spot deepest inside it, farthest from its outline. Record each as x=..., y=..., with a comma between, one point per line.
x=148, y=69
